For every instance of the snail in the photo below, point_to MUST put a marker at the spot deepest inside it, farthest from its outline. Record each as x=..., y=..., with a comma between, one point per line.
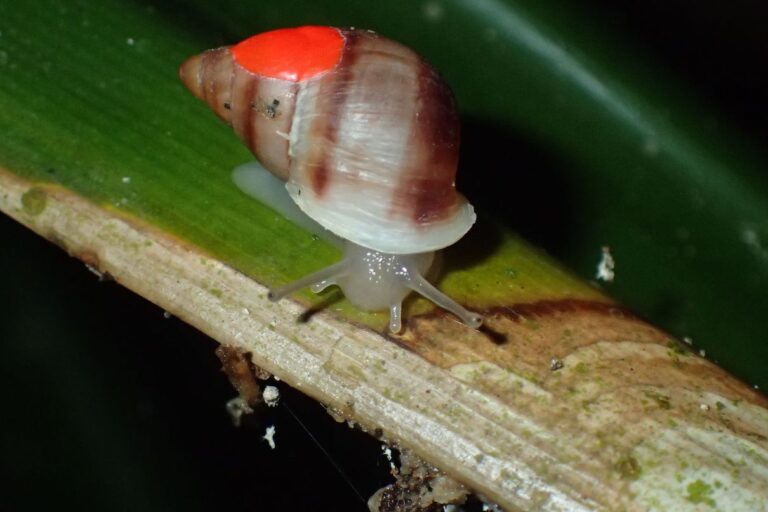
x=365, y=135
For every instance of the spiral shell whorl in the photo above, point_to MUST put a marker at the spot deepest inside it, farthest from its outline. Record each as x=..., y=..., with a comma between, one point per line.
x=259, y=109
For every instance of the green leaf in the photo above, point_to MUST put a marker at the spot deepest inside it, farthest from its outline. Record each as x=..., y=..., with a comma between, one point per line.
x=565, y=141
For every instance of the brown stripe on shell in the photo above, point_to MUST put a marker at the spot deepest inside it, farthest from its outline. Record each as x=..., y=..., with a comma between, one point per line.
x=342, y=83
x=332, y=99
x=428, y=190
x=250, y=134
x=319, y=178
x=216, y=73
x=245, y=88
x=272, y=108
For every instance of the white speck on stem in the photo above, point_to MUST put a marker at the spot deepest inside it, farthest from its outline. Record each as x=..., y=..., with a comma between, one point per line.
x=126, y=179
x=687, y=340
x=93, y=270
x=388, y=454
x=130, y=41
x=606, y=266
x=269, y=436
x=703, y=353
x=704, y=407
x=237, y=408
x=271, y=396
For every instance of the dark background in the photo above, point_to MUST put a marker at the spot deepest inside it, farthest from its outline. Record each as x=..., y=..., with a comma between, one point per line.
x=108, y=405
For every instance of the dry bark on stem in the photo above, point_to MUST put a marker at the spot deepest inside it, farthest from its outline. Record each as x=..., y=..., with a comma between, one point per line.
x=582, y=407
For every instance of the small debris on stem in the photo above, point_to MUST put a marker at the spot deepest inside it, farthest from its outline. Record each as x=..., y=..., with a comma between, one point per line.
x=269, y=436
x=271, y=396
x=606, y=266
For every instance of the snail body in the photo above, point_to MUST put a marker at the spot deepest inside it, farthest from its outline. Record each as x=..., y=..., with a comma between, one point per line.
x=365, y=134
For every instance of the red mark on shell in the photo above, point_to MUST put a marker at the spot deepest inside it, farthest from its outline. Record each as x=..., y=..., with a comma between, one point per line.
x=292, y=54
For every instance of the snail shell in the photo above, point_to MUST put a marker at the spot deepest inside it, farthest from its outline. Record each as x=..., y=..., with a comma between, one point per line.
x=363, y=130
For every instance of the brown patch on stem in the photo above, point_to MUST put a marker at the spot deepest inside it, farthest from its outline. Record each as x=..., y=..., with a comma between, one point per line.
x=242, y=373
x=90, y=258
x=595, y=342
x=522, y=311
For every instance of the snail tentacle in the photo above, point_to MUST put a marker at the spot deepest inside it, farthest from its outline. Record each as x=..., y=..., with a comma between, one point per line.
x=321, y=276
x=395, y=314
x=424, y=288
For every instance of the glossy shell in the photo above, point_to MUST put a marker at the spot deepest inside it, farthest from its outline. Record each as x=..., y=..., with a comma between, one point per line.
x=363, y=130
